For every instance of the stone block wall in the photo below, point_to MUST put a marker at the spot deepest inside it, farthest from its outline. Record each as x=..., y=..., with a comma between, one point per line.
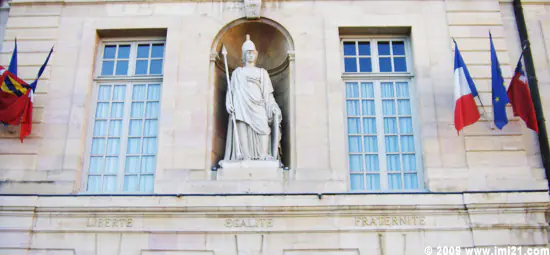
x=482, y=158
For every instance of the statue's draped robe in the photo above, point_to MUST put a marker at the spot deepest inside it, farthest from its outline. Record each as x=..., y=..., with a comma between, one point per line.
x=251, y=94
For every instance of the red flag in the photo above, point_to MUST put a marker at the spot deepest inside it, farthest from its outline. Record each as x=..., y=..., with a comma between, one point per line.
x=520, y=99
x=26, y=119
x=16, y=102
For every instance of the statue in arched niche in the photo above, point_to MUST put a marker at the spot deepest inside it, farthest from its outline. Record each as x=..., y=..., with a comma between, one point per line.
x=254, y=128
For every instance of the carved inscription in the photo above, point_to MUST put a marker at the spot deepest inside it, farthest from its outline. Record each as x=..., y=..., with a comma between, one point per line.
x=390, y=220
x=248, y=223
x=110, y=222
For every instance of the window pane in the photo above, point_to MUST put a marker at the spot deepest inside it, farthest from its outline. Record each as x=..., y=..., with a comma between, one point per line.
x=392, y=145
x=124, y=51
x=404, y=107
x=354, y=143
x=402, y=89
x=149, y=145
x=409, y=162
x=156, y=67
x=150, y=128
x=131, y=183
x=146, y=183
x=148, y=164
x=153, y=92
x=372, y=163
x=373, y=182
x=135, y=128
x=117, y=110
x=138, y=93
x=107, y=67
x=387, y=90
x=385, y=64
x=137, y=110
x=369, y=126
x=393, y=162
x=352, y=107
x=141, y=66
x=104, y=93
x=143, y=51
x=384, y=48
x=354, y=126
x=365, y=65
x=400, y=64
x=367, y=90
x=349, y=49
x=407, y=143
x=94, y=184
x=132, y=164
x=98, y=146
x=158, y=51
x=352, y=90
x=122, y=67
x=357, y=182
x=405, y=125
x=109, y=183
x=115, y=128
x=152, y=110
x=134, y=146
x=350, y=65
x=111, y=165
x=364, y=48
x=394, y=181
x=100, y=128
x=113, y=146
x=355, y=163
x=398, y=48
x=118, y=93
x=368, y=108
x=411, y=181
x=96, y=164
x=109, y=51
x=390, y=126
x=388, y=107
x=370, y=143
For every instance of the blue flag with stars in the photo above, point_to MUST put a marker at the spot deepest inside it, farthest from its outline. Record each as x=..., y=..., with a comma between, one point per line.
x=500, y=97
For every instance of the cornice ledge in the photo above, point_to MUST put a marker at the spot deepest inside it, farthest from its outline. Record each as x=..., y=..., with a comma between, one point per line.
x=26, y=2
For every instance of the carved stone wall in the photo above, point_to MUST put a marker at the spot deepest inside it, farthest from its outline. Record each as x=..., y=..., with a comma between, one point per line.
x=299, y=224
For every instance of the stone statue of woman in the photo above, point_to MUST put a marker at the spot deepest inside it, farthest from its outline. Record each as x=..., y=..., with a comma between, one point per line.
x=253, y=131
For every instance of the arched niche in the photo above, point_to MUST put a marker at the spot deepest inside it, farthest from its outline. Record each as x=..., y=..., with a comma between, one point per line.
x=275, y=54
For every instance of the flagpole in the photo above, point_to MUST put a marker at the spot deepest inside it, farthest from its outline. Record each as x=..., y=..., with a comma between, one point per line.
x=481, y=103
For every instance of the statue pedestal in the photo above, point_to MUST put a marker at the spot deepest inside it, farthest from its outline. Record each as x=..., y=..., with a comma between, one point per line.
x=251, y=170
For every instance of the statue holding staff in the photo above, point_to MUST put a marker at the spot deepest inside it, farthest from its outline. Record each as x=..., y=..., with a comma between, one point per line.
x=253, y=131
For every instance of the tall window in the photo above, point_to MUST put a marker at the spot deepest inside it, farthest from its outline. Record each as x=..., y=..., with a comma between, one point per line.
x=122, y=145
x=383, y=146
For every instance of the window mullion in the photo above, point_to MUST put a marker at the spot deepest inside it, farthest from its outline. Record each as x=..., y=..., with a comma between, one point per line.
x=397, y=124
x=362, y=134
x=380, y=135
x=357, y=59
x=374, y=57
x=124, y=137
x=132, y=59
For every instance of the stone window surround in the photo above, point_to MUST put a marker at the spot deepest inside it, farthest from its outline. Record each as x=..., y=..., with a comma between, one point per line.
x=377, y=77
x=128, y=80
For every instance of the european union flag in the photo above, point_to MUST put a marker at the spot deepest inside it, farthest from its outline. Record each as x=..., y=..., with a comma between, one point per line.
x=500, y=97
x=13, y=62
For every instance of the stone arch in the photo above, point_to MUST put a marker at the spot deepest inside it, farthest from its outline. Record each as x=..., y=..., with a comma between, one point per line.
x=276, y=54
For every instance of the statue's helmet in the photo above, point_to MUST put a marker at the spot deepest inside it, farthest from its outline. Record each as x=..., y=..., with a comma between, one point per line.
x=248, y=45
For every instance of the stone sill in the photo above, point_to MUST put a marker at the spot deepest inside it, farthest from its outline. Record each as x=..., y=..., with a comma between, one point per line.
x=286, y=203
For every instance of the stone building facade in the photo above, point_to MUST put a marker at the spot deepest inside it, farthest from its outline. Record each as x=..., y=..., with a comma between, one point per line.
x=130, y=124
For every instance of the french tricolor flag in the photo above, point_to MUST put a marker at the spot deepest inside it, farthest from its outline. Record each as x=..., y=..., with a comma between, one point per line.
x=466, y=112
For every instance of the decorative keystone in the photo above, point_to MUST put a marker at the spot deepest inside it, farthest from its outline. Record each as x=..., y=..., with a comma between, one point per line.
x=252, y=8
